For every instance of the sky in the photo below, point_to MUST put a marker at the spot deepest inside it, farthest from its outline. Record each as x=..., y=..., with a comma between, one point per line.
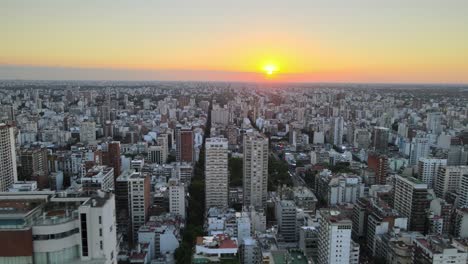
x=215, y=40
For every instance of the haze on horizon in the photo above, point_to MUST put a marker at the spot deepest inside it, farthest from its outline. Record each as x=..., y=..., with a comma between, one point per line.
x=309, y=41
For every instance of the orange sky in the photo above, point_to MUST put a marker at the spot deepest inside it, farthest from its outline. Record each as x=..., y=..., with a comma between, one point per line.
x=318, y=40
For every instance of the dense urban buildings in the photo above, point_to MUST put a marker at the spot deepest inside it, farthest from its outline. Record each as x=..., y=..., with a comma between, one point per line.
x=188, y=172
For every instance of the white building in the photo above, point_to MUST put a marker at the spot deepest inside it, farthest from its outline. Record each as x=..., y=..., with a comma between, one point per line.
x=428, y=168
x=8, y=172
x=176, y=198
x=334, y=244
x=345, y=189
x=98, y=229
x=448, y=179
x=157, y=154
x=255, y=169
x=216, y=173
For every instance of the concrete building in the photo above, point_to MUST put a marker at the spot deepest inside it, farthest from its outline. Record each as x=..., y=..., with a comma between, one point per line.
x=337, y=131
x=250, y=251
x=448, y=179
x=88, y=132
x=410, y=199
x=216, y=173
x=157, y=155
x=98, y=178
x=419, y=149
x=436, y=250
x=463, y=191
x=334, y=246
x=434, y=123
x=34, y=164
x=428, y=169
x=8, y=170
x=58, y=228
x=380, y=139
x=255, y=167
x=176, y=198
x=286, y=214
x=185, y=151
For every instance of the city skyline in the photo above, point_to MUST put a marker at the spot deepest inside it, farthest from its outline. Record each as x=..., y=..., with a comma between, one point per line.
x=304, y=41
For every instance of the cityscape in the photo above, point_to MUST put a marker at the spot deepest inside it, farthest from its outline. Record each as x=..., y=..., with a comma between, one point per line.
x=249, y=132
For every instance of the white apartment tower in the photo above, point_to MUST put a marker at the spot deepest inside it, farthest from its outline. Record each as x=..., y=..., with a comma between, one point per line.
x=428, y=168
x=8, y=172
x=176, y=197
x=334, y=243
x=216, y=172
x=255, y=167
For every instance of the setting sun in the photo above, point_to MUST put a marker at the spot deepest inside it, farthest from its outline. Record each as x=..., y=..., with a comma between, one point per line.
x=270, y=69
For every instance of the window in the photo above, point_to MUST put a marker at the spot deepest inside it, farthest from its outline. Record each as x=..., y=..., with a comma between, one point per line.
x=101, y=246
x=100, y=232
x=100, y=220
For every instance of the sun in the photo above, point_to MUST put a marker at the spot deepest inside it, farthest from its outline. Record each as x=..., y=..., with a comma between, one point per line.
x=270, y=69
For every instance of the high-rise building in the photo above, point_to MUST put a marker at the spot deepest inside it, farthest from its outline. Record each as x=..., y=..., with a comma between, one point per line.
x=337, y=131
x=88, y=132
x=448, y=179
x=380, y=139
x=419, y=149
x=176, y=197
x=255, y=168
x=457, y=155
x=137, y=186
x=433, y=123
x=379, y=164
x=8, y=171
x=463, y=191
x=410, y=199
x=185, y=151
x=216, y=173
x=286, y=215
x=111, y=157
x=361, y=138
x=428, y=168
x=334, y=243
x=156, y=154
x=33, y=163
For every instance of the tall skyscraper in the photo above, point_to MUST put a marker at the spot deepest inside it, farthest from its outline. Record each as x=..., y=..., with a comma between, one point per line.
x=410, y=199
x=428, y=168
x=380, y=139
x=8, y=171
x=334, y=243
x=184, y=144
x=337, y=131
x=255, y=169
x=88, y=132
x=419, y=149
x=216, y=173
